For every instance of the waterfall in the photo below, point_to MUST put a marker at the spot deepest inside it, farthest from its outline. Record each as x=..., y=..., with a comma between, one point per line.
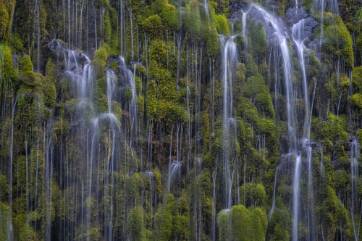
x=37, y=32
x=354, y=157
x=244, y=26
x=48, y=147
x=229, y=58
x=132, y=107
x=206, y=7
x=213, y=213
x=274, y=192
x=10, y=228
x=174, y=168
x=281, y=39
x=111, y=82
x=298, y=36
x=80, y=70
x=296, y=197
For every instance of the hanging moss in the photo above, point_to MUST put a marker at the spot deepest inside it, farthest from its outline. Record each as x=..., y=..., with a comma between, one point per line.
x=253, y=194
x=107, y=28
x=153, y=25
x=256, y=89
x=222, y=24
x=280, y=219
x=357, y=78
x=167, y=12
x=192, y=20
x=136, y=226
x=338, y=41
x=164, y=221
x=25, y=64
x=4, y=21
x=223, y=225
x=7, y=71
x=334, y=215
x=100, y=59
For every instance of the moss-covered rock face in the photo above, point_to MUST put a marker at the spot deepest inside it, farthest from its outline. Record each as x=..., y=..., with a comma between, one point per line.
x=338, y=41
x=142, y=155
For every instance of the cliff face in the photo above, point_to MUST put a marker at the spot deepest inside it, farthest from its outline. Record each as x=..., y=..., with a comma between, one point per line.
x=180, y=120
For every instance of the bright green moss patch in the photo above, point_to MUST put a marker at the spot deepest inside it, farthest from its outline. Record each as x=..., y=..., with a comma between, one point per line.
x=242, y=224
x=338, y=41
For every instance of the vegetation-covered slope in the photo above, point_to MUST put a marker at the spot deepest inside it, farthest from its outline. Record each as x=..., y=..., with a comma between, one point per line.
x=180, y=120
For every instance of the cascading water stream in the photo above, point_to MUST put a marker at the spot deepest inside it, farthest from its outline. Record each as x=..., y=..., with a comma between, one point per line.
x=206, y=7
x=229, y=58
x=280, y=38
x=354, y=157
x=244, y=26
x=298, y=36
x=174, y=168
x=111, y=82
x=10, y=229
x=129, y=78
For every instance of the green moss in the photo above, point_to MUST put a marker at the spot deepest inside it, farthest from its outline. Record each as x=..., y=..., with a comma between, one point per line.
x=256, y=89
x=222, y=24
x=7, y=71
x=136, y=228
x=277, y=230
x=107, y=28
x=25, y=64
x=153, y=25
x=253, y=194
x=258, y=41
x=100, y=59
x=338, y=41
x=242, y=224
x=357, y=78
x=164, y=100
x=356, y=100
x=334, y=215
x=212, y=41
x=332, y=133
x=163, y=229
x=4, y=21
x=192, y=19
x=49, y=88
x=263, y=125
x=223, y=225
x=24, y=232
x=167, y=12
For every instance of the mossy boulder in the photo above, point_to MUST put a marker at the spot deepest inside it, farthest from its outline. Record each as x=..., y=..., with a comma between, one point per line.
x=242, y=224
